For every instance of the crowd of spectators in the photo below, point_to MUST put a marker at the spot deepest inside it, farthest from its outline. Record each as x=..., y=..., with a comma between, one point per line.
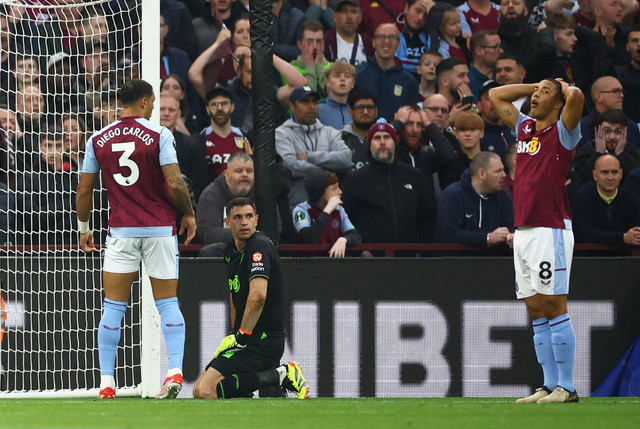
x=385, y=133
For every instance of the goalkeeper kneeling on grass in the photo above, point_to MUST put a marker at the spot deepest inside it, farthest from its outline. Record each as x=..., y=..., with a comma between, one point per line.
x=249, y=359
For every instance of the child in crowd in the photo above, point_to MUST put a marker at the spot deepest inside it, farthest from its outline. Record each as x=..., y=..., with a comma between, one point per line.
x=321, y=219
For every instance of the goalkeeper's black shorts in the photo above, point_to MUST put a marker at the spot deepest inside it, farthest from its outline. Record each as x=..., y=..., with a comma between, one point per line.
x=260, y=356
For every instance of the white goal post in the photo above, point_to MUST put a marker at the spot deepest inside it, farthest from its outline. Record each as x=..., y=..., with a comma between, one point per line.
x=61, y=64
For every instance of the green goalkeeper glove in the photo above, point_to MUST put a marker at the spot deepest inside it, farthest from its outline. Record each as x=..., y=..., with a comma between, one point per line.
x=232, y=343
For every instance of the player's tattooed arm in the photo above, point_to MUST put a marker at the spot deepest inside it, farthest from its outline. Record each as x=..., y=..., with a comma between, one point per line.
x=178, y=188
x=502, y=98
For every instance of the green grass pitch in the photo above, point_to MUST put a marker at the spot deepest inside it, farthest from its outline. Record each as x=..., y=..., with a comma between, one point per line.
x=369, y=413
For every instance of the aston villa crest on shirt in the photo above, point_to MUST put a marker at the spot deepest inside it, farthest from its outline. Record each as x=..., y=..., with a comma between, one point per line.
x=239, y=141
x=397, y=90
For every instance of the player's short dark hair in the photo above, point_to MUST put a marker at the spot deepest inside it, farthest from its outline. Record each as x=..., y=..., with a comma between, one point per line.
x=558, y=87
x=612, y=116
x=357, y=94
x=481, y=160
x=133, y=90
x=448, y=65
x=240, y=202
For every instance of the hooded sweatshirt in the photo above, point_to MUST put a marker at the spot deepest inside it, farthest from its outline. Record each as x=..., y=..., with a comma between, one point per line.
x=466, y=217
x=323, y=145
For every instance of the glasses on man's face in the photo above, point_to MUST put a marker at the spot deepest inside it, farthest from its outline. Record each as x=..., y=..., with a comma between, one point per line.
x=362, y=107
x=219, y=104
x=436, y=109
x=615, y=91
x=389, y=37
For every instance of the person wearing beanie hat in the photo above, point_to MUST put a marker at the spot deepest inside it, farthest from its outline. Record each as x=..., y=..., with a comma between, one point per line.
x=321, y=219
x=388, y=201
x=383, y=127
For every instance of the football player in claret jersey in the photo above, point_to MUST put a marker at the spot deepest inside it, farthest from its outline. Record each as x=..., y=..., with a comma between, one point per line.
x=543, y=241
x=141, y=174
x=249, y=359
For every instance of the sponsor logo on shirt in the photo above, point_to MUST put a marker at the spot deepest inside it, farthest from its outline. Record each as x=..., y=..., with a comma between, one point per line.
x=257, y=257
x=531, y=147
x=300, y=217
x=408, y=186
x=234, y=285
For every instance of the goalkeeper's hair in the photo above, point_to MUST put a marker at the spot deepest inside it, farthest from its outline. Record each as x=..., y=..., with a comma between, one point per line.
x=133, y=90
x=240, y=202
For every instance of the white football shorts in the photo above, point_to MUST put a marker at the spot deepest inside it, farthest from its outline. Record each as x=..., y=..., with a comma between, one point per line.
x=160, y=256
x=542, y=260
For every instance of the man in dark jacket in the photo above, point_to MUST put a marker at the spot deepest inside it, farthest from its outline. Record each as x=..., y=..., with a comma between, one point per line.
x=237, y=181
x=422, y=145
x=476, y=210
x=604, y=213
x=386, y=200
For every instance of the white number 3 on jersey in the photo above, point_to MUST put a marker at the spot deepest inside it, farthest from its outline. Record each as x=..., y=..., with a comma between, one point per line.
x=127, y=149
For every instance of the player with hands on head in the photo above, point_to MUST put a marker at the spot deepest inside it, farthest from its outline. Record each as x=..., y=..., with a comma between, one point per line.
x=249, y=359
x=140, y=171
x=543, y=240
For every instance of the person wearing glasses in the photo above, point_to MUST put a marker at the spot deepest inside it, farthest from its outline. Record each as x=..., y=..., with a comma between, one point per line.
x=607, y=93
x=363, y=110
x=222, y=139
x=610, y=131
x=486, y=48
x=384, y=76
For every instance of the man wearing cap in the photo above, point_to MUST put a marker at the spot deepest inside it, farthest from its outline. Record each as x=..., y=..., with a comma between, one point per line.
x=344, y=43
x=222, y=139
x=497, y=135
x=305, y=144
x=386, y=200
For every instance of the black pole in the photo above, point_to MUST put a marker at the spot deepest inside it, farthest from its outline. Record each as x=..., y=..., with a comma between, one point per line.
x=264, y=105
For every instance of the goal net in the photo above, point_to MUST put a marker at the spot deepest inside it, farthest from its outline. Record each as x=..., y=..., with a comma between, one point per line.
x=61, y=63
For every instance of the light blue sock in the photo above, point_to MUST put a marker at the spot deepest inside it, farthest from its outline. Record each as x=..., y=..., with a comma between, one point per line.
x=564, y=349
x=109, y=334
x=544, y=352
x=173, y=330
